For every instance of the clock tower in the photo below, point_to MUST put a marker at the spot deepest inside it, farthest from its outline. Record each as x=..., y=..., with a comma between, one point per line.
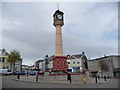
x=59, y=61
x=58, y=23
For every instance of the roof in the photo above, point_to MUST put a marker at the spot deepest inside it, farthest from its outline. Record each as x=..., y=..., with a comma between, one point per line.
x=57, y=11
x=4, y=52
x=39, y=61
x=99, y=58
x=75, y=56
x=78, y=55
x=104, y=57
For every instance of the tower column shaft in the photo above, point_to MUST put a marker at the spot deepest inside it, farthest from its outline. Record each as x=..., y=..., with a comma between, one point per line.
x=59, y=46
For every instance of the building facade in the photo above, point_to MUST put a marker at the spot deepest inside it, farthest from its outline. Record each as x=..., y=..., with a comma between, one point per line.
x=3, y=59
x=5, y=64
x=44, y=64
x=18, y=65
x=105, y=66
x=25, y=67
x=38, y=65
x=77, y=63
x=50, y=65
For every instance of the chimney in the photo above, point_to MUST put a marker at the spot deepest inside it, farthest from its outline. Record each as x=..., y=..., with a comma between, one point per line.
x=83, y=53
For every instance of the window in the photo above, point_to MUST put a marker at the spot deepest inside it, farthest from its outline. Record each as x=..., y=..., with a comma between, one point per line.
x=16, y=62
x=78, y=62
x=73, y=62
x=68, y=62
x=3, y=60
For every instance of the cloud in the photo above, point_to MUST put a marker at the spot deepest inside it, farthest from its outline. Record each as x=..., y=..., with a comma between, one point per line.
x=94, y=31
x=90, y=27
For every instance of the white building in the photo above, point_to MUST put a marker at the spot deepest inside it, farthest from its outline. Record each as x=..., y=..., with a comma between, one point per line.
x=3, y=59
x=50, y=65
x=18, y=65
x=45, y=64
x=38, y=65
x=5, y=64
x=25, y=67
x=77, y=63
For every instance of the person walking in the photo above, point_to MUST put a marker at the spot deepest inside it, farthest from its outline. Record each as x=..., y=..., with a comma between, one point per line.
x=105, y=78
x=96, y=79
x=36, y=76
x=18, y=76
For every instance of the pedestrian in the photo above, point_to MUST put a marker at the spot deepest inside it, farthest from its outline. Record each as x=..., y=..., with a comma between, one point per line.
x=36, y=77
x=98, y=77
x=84, y=79
x=18, y=76
x=105, y=78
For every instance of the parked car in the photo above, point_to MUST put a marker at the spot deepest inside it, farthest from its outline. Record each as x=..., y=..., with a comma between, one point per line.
x=4, y=71
x=40, y=72
x=20, y=72
x=8, y=73
x=32, y=72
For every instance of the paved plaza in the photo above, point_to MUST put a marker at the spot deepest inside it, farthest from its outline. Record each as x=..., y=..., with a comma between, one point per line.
x=29, y=82
x=32, y=79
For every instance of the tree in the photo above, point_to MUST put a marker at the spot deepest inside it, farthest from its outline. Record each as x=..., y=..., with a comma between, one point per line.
x=13, y=57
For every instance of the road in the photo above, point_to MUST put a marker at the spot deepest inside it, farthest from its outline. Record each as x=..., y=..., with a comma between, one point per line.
x=8, y=82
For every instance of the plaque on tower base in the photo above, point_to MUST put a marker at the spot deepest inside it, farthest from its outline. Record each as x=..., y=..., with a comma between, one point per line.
x=60, y=63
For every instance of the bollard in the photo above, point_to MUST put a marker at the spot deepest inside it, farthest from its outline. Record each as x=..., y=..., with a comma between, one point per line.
x=96, y=79
x=27, y=73
x=69, y=77
x=84, y=79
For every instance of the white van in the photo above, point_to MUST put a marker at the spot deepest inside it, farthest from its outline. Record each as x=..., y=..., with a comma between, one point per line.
x=4, y=71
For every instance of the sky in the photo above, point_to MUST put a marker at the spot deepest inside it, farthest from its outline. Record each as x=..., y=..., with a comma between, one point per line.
x=91, y=27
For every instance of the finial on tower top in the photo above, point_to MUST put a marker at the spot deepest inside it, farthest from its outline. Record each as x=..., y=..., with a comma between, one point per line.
x=58, y=5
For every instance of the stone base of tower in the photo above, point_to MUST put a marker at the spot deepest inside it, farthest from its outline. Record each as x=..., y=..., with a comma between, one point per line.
x=60, y=63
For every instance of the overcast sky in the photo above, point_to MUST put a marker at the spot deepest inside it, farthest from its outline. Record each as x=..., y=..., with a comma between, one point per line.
x=91, y=27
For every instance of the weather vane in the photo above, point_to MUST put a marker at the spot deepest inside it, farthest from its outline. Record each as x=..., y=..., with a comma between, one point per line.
x=58, y=5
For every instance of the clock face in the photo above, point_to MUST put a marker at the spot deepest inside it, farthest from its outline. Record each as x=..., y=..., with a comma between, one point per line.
x=59, y=16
